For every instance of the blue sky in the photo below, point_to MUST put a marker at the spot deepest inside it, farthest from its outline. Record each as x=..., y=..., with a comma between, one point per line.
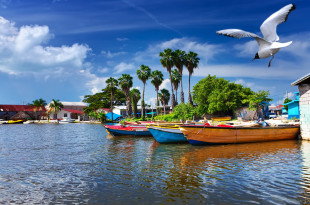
x=65, y=49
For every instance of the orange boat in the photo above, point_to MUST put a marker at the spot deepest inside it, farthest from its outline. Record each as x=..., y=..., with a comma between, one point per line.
x=202, y=135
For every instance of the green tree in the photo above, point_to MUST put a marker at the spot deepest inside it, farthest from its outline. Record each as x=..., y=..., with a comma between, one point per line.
x=157, y=79
x=38, y=105
x=164, y=97
x=167, y=62
x=55, y=107
x=135, y=97
x=184, y=112
x=143, y=74
x=175, y=79
x=287, y=100
x=178, y=57
x=112, y=84
x=191, y=62
x=125, y=82
x=217, y=95
x=103, y=100
x=256, y=100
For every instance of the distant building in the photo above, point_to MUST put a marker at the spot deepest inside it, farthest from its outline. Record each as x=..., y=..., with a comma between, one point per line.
x=304, y=103
x=293, y=108
x=8, y=111
x=73, y=110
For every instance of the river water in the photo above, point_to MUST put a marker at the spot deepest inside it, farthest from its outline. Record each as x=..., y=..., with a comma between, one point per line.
x=81, y=164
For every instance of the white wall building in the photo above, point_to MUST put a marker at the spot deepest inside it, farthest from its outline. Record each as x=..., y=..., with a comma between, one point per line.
x=73, y=110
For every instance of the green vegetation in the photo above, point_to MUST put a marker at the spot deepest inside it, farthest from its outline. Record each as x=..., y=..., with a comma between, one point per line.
x=175, y=79
x=144, y=74
x=125, y=82
x=164, y=97
x=157, y=78
x=191, y=62
x=287, y=100
x=55, y=106
x=217, y=95
x=178, y=57
x=135, y=96
x=256, y=99
x=38, y=105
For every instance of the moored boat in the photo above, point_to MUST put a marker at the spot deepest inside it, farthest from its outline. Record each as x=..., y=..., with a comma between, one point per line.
x=127, y=130
x=66, y=120
x=202, y=135
x=15, y=121
x=167, y=134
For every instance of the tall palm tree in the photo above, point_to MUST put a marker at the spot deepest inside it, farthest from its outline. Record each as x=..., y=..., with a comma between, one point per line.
x=167, y=62
x=38, y=105
x=157, y=79
x=112, y=84
x=125, y=82
x=164, y=97
x=175, y=79
x=55, y=106
x=144, y=74
x=191, y=62
x=178, y=61
x=135, y=97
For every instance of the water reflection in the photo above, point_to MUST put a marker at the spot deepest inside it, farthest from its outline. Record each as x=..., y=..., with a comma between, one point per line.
x=80, y=164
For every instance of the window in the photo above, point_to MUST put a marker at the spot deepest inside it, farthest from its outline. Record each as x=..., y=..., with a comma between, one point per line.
x=65, y=115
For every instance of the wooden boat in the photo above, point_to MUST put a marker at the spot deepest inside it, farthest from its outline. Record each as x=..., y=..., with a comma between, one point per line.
x=121, y=130
x=201, y=135
x=221, y=118
x=167, y=134
x=15, y=121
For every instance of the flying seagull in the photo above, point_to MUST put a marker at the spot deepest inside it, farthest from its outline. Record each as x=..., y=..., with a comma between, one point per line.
x=269, y=45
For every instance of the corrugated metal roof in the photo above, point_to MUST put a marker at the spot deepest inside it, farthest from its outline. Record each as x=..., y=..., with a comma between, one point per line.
x=17, y=108
x=302, y=80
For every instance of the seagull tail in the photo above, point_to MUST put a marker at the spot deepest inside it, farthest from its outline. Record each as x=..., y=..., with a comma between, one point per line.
x=281, y=45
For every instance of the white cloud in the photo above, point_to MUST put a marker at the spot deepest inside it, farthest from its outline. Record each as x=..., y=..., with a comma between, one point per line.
x=109, y=54
x=121, y=67
x=248, y=49
x=151, y=101
x=22, y=50
x=95, y=84
x=205, y=51
x=122, y=39
x=164, y=84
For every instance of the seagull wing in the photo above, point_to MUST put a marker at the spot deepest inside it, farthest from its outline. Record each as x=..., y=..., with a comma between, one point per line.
x=237, y=33
x=269, y=26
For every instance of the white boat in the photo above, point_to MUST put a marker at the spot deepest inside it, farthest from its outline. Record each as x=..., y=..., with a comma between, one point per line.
x=28, y=122
x=66, y=120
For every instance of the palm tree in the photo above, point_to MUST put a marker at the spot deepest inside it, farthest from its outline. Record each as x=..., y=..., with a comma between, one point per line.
x=175, y=79
x=164, y=97
x=178, y=61
x=112, y=84
x=38, y=104
x=135, y=97
x=191, y=62
x=55, y=106
x=167, y=62
x=144, y=74
x=157, y=78
x=125, y=82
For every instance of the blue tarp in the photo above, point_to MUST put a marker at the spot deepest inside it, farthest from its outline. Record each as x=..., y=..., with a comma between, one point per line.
x=115, y=116
x=149, y=113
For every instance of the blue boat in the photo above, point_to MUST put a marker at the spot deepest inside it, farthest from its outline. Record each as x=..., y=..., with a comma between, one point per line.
x=127, y=131
x=167, y=135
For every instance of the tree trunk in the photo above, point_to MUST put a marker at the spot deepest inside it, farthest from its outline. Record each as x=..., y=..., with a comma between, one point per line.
x=173, y=104
x=189, y=91
x=182, y=93
x=128, y=103
x=112, y=106
x=164, y=109
x=157, y=104
x=142, y=103
x=176, y=97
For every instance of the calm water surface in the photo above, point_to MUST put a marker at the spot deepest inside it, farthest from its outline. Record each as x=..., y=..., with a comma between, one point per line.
x=81, y=164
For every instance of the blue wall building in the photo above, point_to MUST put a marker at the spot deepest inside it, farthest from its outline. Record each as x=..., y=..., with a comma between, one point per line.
x=293, y=107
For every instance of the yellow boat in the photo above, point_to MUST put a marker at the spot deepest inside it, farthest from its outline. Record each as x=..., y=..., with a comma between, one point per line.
x=221, y=118
x=201, y=135
x=15, y=121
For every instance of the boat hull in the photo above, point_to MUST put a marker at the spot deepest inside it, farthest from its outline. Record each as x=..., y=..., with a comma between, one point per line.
x=227, y=135
x=167, y=135
x=124, y=132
